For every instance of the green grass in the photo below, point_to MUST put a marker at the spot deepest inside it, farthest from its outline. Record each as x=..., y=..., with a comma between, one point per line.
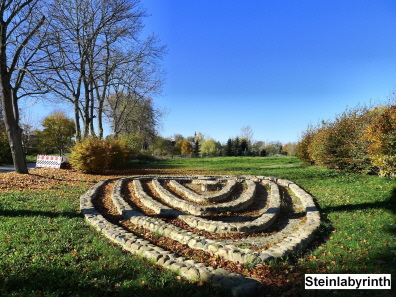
x=237, y=165
x=358, y=233
x=31, y=158
x=47, y=249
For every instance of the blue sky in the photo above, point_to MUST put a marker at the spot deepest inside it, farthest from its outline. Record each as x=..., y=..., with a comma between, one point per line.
x=274, y=65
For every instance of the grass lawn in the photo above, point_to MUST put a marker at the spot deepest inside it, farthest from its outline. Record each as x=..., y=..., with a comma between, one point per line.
x=47, y=249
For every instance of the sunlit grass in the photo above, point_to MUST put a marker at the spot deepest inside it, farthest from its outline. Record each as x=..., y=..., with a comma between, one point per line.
x=46, y=247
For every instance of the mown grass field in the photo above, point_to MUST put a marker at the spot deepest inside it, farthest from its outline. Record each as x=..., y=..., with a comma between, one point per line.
x=47, y=249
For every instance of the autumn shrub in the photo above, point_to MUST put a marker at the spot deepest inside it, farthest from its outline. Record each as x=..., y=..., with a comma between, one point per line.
x=318, y=148
x=339, y=143
x=302, y=146
x=351, y=128
x=94, y=155
x=381, y=136
x=89, y=155
x=118, y=152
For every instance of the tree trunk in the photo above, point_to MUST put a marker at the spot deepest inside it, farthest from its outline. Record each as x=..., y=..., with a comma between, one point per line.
x=77, y=120
x=92, y=112
x=14, y=132
x=100, y=121
x=86, y=114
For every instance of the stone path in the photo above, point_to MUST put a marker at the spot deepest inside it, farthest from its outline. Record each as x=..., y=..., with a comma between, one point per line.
x=284, y=221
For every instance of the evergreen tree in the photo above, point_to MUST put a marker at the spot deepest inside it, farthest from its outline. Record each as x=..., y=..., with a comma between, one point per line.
x=244, y=147
x=229, y=148
x=196, y=148
x=237, y=147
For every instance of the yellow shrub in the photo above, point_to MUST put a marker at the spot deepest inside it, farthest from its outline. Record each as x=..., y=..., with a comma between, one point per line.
x=93, y=155
x=381, y=134
x=339, y=143
x=302, y=147
x=118, y=152
x=319, y=147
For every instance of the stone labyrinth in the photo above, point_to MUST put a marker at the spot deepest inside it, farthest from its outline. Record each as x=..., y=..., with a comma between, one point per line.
x=249, y=220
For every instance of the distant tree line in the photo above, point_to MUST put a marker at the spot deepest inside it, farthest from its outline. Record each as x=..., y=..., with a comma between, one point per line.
x=201, y=146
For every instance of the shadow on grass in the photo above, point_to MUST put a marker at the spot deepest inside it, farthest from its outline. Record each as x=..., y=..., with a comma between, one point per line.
x=33, y=213
x=389, y=204
x=385, y=259
x=98, y=281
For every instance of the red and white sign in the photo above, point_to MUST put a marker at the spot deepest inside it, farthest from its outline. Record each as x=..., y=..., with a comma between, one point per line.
x=48, y=161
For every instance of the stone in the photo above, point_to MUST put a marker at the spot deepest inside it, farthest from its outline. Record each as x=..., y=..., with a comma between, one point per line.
x=247, y=289
x=294, y=236
x=190, y=273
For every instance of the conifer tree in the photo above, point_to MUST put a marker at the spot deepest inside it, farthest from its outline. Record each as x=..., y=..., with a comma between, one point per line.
x=244, y=147
x=237, y=147
x=229, y=150
x=196, y=148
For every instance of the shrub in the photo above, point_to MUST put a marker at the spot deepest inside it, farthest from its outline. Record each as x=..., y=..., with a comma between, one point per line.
x=318, y=148
x=89, y=155
x=93, y=155
x=5, y=151
x=381, y=135
x=118, y=152
x=349, y=131
x=339, y=143
x=302, y=147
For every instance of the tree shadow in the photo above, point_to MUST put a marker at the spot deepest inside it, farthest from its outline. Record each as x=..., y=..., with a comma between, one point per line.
x=33, y=213
x=121, y=281
x=389, y=204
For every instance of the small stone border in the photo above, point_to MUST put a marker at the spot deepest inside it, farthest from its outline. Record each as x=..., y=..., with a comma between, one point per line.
x=191, y=269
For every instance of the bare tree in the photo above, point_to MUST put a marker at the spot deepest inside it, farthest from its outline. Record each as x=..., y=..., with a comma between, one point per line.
x=247, y=133
x=20, y=22
x=136, y=116
x=133, y=75
x=93, y=49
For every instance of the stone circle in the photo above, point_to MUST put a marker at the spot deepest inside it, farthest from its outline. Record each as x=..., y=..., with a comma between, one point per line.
x=250, y=220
